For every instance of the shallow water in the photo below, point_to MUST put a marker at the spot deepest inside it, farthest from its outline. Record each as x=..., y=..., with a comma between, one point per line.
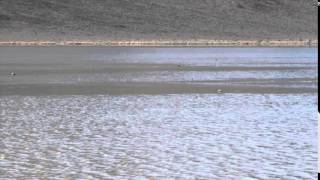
x=186, y=136
x=178, y=136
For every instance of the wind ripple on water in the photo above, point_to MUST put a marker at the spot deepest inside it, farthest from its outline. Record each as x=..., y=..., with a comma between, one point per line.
x=185, y=136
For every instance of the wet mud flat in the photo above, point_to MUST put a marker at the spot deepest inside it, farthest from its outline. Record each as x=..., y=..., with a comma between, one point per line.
x=143, y=113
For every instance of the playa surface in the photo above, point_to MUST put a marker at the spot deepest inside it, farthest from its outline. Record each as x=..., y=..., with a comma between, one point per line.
x=158, y=113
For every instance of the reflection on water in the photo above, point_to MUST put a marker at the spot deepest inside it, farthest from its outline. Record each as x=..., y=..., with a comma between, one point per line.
x=203, y=56
x=186, y=136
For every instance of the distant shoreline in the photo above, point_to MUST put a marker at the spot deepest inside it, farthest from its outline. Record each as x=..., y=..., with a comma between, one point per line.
x=170, y=43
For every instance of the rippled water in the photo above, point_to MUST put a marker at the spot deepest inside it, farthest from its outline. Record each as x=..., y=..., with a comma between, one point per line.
x=186, y=136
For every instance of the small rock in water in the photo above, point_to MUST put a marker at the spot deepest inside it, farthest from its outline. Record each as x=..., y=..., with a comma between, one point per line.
x=12, y=74
x=2, y=156
x=219, y=91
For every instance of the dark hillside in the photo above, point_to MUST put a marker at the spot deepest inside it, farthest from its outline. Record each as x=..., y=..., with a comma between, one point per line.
x=155, y=19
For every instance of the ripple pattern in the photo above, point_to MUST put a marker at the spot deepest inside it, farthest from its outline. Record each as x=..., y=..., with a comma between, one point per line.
x=163, y=136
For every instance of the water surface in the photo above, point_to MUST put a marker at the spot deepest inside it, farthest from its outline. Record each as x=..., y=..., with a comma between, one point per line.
x=251, y=130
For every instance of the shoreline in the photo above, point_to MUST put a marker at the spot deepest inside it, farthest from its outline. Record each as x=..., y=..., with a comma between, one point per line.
x=168, y=43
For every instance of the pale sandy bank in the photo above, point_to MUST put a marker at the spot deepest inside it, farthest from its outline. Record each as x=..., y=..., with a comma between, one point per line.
x=170, y=43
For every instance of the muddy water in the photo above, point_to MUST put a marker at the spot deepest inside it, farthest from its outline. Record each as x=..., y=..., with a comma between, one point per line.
x=184, y=135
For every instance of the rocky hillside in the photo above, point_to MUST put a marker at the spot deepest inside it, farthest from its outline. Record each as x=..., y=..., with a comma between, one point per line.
x=157, y=19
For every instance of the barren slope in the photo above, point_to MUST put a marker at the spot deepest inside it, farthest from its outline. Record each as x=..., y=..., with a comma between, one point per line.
x=156, y=19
